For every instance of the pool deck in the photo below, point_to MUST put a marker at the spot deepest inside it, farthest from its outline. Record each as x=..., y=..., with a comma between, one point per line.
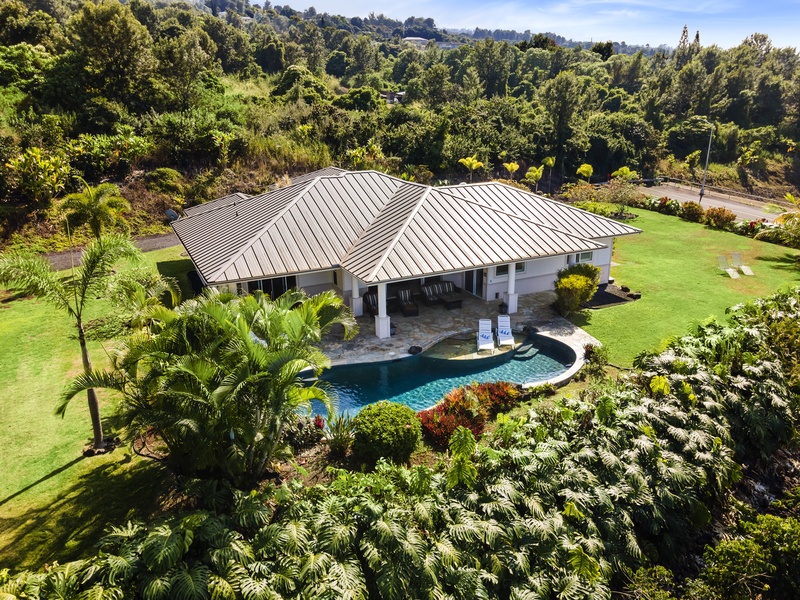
x=436, y=323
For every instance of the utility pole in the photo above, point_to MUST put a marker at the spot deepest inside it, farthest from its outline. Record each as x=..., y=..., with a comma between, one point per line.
x=705, y=171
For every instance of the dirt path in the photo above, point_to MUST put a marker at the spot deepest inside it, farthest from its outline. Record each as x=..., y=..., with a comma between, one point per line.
x=147, y=243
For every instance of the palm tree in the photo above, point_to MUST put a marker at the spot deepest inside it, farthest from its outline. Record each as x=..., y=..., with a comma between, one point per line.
x=219, y=377
x=512, y=168
x=534, y=175
x=96, y=207
x=472, y=163
x=549, y=162
x=138, y=294
x=34, y=276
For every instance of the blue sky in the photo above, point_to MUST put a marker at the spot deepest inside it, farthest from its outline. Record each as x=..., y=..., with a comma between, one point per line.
x=654, y=22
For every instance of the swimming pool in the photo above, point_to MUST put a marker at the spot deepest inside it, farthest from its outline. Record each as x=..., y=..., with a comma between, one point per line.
x=421, y=381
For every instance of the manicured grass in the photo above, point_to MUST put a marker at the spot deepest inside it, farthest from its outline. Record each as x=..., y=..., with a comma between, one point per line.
x=53, y=503
x=674, y=264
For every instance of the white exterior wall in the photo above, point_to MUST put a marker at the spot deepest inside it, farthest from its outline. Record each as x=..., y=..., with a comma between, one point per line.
x=602, y=258
x=539, y=276
x=314, y=283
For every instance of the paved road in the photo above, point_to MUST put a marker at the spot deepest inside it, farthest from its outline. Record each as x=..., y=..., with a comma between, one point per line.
x=746, y=210
x=61, y=260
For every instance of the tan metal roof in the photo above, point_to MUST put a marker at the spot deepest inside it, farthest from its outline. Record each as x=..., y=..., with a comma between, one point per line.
x=381, y=228
x=441, y=233
x=324, y=172
x=542, y=210
x=238, y=197
x=218, y=203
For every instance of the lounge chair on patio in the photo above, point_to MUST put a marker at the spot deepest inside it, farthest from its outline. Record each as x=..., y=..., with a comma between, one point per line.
x=485, y=337
x=504, y=335
x=736, y=262
x=371, y=303
x=450, y=294
x=724, y=266
x=442, y=291
x=407, y=304
x=429, y=294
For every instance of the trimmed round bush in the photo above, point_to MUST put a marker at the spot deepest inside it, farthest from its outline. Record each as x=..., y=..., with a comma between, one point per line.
x=692, y=211
x=385, y=430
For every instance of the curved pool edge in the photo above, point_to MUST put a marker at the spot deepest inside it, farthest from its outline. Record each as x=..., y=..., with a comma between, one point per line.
x=561, y=330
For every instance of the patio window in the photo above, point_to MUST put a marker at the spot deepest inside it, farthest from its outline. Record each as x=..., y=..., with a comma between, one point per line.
x=502, y=270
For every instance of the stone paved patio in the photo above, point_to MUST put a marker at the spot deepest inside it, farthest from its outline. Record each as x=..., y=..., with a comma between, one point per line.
x=436, y=323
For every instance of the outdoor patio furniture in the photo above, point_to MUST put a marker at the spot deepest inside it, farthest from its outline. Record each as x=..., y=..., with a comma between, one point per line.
x=736, y=262
x=429, y=295
x=485, y=337
x=371, y=303
x=407, y=304
x=442, y=291
x=504, y=335
x=724, y=266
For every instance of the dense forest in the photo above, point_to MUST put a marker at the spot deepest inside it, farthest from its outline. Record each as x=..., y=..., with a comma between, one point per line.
x=179, y=102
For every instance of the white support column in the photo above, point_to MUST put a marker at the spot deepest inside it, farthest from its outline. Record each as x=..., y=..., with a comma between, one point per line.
x=356, y=301
x=382, y=324
x=512, y=298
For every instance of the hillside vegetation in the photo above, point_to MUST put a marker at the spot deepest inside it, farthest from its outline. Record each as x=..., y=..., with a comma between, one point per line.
x=178, y=103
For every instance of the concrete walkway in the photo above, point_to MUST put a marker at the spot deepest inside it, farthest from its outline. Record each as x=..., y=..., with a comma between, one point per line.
x=436, y=323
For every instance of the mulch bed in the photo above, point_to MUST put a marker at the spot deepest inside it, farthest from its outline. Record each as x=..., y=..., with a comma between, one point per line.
x=608, y=295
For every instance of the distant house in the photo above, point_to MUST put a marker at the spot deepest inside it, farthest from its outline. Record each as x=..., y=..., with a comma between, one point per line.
x=393, y=97
x=354, y=230
x=418, y=42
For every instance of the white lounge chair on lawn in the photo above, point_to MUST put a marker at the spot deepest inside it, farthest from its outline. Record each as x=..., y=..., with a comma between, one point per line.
x=485, y=337
x=504, y=335
x=723, y=265
x=736, y=261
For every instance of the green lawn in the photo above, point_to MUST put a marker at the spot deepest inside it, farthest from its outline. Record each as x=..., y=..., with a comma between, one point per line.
x=674, y=264
x=53, y=503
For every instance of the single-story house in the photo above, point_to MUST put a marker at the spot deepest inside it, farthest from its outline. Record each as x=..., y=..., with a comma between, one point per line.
x=354, y=230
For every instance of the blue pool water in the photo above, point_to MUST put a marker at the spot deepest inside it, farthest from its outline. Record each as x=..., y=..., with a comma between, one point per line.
x=421, y=381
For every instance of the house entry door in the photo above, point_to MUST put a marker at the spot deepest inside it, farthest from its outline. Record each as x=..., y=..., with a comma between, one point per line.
x=473, y=282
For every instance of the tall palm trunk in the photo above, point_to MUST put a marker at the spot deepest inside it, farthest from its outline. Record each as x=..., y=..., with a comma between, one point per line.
x=91, y=396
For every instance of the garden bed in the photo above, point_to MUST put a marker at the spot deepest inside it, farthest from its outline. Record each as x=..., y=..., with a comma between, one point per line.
x=608, y=295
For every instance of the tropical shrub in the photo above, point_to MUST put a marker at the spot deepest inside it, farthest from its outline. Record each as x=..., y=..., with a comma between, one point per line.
x=165, y=181
x=304, y=432
x=719, y=217
x=571, y=292
x=752, y=228
x=579, y=191
x=385, y=430
x=692, y=211
x=575, y=286
x=217, y=383
x=595, y=361
x=468, y=406
x=339, y=434
x=668, y=206
x=598, y=208
x=496, y=397
x=584, y=269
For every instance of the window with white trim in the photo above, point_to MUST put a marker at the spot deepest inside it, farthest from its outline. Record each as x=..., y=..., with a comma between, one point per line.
x=584, y=257
x=502, y=270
